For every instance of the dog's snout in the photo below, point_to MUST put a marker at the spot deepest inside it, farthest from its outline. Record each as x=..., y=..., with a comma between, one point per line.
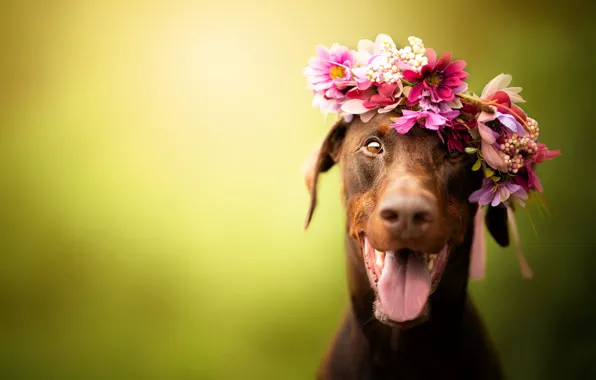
x=409, y=215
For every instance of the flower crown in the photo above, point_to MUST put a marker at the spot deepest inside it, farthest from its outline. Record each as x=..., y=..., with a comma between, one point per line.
x=432, y=93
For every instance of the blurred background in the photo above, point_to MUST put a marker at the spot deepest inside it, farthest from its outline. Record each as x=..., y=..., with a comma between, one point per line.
x=152, y=203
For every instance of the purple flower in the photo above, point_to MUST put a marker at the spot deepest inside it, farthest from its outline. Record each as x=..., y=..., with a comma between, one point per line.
x=438, y=80
x=496, y=193
x=330, y=68
x=425, y=119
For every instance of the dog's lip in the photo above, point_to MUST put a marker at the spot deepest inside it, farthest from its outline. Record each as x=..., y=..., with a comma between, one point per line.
x=374, y=266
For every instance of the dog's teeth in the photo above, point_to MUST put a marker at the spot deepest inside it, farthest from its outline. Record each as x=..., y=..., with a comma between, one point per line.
x=380, y=262
x=431, y=264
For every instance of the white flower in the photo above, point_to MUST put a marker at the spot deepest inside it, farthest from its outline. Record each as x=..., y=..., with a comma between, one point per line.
x=500, y=83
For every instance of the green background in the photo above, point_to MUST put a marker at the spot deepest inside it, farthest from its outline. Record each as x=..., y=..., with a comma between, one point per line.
x=152, y=202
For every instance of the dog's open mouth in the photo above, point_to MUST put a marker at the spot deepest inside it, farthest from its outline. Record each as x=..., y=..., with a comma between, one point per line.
x=403, y=280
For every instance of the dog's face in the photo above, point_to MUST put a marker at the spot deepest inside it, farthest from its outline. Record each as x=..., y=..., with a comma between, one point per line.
x=406, y=199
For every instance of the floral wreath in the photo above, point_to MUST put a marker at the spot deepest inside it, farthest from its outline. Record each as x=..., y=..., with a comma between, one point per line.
x=432, y=93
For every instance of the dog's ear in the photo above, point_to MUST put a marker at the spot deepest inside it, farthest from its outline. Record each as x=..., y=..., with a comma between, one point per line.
x=496, y=222
x=321, y=160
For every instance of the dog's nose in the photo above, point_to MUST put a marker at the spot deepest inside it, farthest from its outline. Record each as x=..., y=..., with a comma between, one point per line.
x=408, y=215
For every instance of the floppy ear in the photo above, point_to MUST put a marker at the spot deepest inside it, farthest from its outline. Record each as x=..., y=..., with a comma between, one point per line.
x=321, y=160
x=496, y=222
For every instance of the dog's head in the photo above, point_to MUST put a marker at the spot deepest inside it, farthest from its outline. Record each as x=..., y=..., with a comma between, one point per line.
x=406, y=198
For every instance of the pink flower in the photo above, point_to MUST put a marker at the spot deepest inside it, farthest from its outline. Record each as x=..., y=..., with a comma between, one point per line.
x=361, y=77
x=424, y=119
x=440, y=81
x=496, y=193
x=329, y=100
x=490, y=128
x=330, y=68
x=385, y=96
x=544, y=154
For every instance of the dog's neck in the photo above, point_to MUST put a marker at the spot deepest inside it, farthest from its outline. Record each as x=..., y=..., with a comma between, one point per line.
x=438, y=333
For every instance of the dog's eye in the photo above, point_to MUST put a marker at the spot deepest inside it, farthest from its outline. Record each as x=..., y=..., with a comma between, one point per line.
x=454, y=154
x=374, y=146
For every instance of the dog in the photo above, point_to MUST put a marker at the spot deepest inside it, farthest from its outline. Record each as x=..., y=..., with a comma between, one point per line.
x=409, y=232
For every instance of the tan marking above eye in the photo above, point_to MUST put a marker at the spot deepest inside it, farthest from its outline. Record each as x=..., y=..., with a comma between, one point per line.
x=374, y=147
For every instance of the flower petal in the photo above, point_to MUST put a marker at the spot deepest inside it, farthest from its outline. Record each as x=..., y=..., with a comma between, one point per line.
x=514, y=95
x=445, y=93
x=387, y=89
x=365, y=117
x=443, y=61
x=486, y=198
x=322, y=52
x=366, y=46
x=455, y=103
x=431, y=54
x=354, y=106
x=485, y=116
x=455, y=67
x=388, y=108
x=461, y=88
x=434, y=121
x=502, y=98
x=403, y=125
x=512, y=124
x=492, y=157
x=498, y=83
x=475, y=196
x=415, y=93
x=412, y=76
x=497, y=198
x=450, y=115
x=519, y=112
x=486, y=133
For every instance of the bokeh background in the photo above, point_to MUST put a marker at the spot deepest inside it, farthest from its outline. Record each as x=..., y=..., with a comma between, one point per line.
x=152, y=203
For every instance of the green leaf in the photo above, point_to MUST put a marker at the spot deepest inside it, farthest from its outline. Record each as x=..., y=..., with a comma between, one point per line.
x=477, y=165
x=470, y=150
x=488, y=172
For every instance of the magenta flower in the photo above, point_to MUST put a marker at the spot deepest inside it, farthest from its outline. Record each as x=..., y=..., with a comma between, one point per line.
x=438, y=80
x=544, y=154
x=457, y=136
x=385, y=97
x=424, y=119
x=330, y=68
x=496, y=193
x=526, y=177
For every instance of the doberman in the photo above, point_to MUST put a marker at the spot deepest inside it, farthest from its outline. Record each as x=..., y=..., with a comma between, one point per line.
x=409, y=232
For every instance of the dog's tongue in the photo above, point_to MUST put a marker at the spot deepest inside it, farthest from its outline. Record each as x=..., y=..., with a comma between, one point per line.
x=404, y=287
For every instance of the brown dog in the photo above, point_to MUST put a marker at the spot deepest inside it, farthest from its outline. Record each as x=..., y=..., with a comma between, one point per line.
x=409, y=232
